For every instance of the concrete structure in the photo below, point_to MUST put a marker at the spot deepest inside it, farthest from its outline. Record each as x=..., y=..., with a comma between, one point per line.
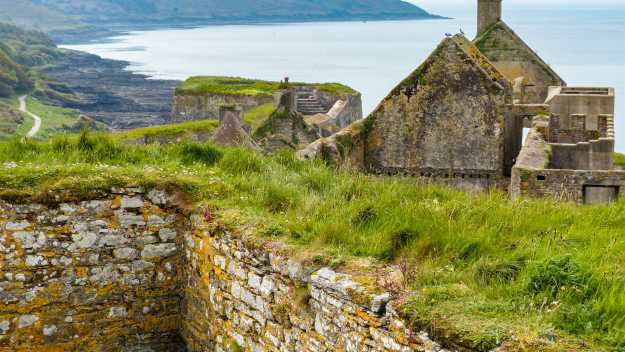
x=459, y=118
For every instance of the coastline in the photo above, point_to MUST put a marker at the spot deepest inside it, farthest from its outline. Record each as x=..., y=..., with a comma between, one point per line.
x=101, y=31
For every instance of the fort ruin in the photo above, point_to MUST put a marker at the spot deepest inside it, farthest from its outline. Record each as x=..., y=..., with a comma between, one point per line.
x=459, y=119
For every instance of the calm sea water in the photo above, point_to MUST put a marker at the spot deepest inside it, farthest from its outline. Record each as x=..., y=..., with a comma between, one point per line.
x=585, y=45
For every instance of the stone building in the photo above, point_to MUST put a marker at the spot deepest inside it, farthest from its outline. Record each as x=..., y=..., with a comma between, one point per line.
x=459, y=119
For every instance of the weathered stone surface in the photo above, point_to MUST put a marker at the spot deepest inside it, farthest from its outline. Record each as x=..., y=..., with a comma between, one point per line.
x=162, y=250
x=93, y=284
x=27, y=320
x=77, y=284
x=131, y=202
x=444, y=122
x=278, y=304
x=125, y=253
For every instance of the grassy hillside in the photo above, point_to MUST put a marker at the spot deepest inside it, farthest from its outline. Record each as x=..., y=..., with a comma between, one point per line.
x=30, y=14
x=196, y=10
x=242, y=86
x=533, y=275
x=22, y=54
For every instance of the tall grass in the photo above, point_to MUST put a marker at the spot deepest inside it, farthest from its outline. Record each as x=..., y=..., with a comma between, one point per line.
x=488, y=268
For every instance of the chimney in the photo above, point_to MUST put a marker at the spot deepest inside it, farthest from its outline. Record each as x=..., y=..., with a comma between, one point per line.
x=488, y=13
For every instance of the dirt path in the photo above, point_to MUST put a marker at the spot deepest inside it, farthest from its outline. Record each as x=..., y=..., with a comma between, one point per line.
x=37, y=125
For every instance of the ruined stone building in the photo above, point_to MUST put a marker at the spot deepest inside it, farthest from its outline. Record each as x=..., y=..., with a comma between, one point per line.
x=459, y=119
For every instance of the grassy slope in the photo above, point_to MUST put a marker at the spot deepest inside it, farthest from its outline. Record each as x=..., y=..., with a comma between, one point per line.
x=619, y=159
x=53, y=118
x=487, y=270
x=243, y=86
x=253, y=117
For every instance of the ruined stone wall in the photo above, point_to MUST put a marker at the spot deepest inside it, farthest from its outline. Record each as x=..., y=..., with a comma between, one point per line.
x=97, y=275
x=129, y=272
x=246, y=296
x=206, y=107
x=351, y=112
x=445, y=121
x=568, y=185
x=515, y=59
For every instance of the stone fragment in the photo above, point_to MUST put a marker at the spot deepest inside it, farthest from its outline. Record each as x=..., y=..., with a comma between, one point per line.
x=162, y=250
x=17, y=226
x=155, y=220
x=27, y=320
x=127, y=219
x=35, y=260
x=84, y=239
x=166, y=234
x=5, y=325
x=379, y=302
x=159, y=197
x=125, y=253
x=49, y=330
x=132, y=202
x=26, y=239
x=117, y=312
x=113, y=240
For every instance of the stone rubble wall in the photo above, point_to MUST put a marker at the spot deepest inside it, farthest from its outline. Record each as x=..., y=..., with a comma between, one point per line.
x=243, y=296
x=97, y=275
x=130, y=272
x=206, y=107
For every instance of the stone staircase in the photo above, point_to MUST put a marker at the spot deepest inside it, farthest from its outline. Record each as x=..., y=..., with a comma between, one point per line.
x=307, y=103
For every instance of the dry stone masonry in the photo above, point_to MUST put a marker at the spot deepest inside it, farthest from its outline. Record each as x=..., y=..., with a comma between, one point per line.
x=131, y=272
x=96, y=275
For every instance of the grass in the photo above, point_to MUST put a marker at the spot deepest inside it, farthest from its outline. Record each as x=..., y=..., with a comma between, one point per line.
x=619, y=159
x=53, y=118
x=256, y=116
x=243, y=86
x=533, y=275
x=167, y=131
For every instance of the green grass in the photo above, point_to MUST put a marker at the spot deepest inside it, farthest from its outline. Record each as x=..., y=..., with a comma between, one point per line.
x=53, y=118
x=167, y=131
x=256, y=116
x=619, y=159
x=532, y=274
x=243, y=86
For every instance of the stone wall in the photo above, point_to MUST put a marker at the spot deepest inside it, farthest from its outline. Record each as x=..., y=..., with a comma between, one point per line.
x=534, y=175
x=206, y=107
x=247, y=296
x=515, y=59
x=568, y=185
x=130, y=272
x=349, y=113
x=98, y=275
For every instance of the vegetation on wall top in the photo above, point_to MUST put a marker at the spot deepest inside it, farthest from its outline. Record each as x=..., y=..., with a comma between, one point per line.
x=242, y=86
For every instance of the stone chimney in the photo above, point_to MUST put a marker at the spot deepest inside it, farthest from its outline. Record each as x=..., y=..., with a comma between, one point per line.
x=488, y=13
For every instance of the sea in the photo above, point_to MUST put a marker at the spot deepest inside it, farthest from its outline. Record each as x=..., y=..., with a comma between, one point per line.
x=585, y=44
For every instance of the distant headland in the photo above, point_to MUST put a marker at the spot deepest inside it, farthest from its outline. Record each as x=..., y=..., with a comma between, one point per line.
x=74, y=20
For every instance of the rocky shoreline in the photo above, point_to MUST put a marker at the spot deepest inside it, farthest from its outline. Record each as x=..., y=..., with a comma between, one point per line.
x=112, y=95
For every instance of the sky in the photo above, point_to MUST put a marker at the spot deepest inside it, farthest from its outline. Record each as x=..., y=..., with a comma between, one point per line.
x=435, y=5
